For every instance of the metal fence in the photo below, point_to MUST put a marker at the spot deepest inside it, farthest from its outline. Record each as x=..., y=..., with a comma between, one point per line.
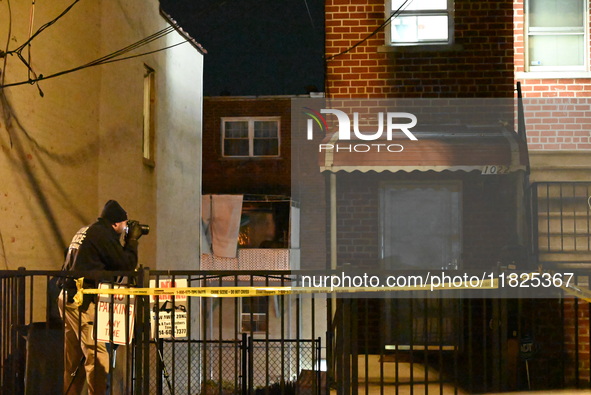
x=561, y=222
x=163, y=344
x=303, y=344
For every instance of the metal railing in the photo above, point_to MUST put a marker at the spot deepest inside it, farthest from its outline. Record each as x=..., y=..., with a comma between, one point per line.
x=561, y=222
x=308, y=344
x=176, y=345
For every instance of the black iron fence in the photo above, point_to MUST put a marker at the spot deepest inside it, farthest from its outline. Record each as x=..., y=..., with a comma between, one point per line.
x=298, y=344
x=164, y=344
x=561, y=222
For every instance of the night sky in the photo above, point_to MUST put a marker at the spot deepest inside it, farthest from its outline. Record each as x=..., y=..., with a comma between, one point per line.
x=256, y=47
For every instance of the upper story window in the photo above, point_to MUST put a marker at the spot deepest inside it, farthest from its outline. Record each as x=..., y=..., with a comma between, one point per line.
x=420, y=22
x=148, y=115
x=250, y=137
x=556, y=35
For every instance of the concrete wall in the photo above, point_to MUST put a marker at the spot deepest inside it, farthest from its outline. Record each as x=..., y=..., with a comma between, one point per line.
x=64, y=154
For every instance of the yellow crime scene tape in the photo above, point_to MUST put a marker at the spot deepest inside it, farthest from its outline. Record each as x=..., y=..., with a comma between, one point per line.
x=252, y=291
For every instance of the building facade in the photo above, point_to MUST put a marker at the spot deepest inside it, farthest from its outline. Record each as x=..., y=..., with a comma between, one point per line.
x=552, y=63
x=449, y=50
x=80, y=127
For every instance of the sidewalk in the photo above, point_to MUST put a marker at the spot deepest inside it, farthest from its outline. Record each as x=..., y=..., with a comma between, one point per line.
x=372, y=381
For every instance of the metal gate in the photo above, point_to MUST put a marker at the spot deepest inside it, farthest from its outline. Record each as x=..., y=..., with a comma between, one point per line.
x=242, y=366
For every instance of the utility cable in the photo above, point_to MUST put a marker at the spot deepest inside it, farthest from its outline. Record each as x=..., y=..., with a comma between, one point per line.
x=394, y=15
x=45, y=26
x=42, y=77
x=110, y=58
x=309, y=14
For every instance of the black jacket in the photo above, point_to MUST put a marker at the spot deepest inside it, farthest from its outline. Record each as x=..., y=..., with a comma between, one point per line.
x=98, y=247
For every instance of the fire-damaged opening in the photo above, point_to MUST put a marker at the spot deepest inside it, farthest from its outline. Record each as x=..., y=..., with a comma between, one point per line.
x=264, y=224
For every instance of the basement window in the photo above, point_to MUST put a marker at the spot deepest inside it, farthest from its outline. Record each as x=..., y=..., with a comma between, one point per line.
x=253, y=317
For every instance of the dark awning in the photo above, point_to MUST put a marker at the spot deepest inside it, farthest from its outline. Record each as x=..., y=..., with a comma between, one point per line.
x=490, y=151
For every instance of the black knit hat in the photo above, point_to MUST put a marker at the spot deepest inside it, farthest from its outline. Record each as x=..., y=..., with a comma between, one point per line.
x=113, y=212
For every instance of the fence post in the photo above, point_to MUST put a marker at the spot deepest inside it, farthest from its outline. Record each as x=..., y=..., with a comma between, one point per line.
x=244, y=364
x=142, y=336
x=251, y=365
x=318, y=368
x=19, y=342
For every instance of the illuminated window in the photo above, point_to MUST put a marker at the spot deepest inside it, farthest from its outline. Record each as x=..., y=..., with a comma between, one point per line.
x=556, y=35
x=148, y=135
x=250, y=137
x=420, y=22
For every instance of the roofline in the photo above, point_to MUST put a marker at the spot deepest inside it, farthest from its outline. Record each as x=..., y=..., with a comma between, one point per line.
x=182, y=32
x=267, y=97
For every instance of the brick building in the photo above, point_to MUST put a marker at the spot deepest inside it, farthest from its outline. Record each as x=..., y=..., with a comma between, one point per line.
x=552, y=62
x=446, y=50
x=254, y=172
x=370, y=202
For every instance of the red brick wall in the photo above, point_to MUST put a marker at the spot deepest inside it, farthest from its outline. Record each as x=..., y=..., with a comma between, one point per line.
x=558, y=124
x=481, y=65
x=564, y=125
x=557, y=133
x=576, y=329
x=251, y=175
x=266, y=176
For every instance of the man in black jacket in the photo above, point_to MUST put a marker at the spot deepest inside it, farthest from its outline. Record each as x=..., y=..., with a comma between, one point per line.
x=94, y=247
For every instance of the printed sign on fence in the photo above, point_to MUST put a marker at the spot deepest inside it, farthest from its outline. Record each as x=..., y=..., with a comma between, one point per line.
x=115, y=313
x=164, y=321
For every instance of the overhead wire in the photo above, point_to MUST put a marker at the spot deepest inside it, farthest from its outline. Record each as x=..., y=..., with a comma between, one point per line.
x=109, y=58
x=103, y=60
x=373, y=33
x=309, y=14
x=45, y=26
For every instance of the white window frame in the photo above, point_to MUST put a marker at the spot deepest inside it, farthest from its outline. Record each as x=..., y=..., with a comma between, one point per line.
x=251, y=137
x=406, y=10
x=532, y=31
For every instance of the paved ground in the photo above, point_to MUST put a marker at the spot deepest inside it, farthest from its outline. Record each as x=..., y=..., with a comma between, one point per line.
x=370, y=385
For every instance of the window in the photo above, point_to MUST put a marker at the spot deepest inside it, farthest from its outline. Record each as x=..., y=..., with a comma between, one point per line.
x=556, y=35
x=148, y=133
x=264, y=225
x=421, y=225
x=254, y=314
x=250, y=137
x=420, y=22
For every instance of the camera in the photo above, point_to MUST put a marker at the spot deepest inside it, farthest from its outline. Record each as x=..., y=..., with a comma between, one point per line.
x=145, y=228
